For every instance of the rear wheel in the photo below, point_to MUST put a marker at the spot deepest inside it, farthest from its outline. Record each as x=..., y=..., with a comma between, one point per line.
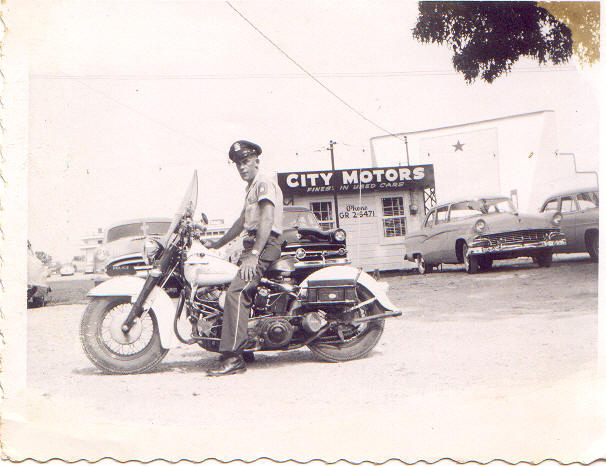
x=544, y=258
x=470, y=261
x=593, y=245
x=345, y=341
x=112, y=350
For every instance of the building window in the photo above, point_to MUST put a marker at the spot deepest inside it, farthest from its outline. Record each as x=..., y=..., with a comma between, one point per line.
x=323, y=211
x=394, y=222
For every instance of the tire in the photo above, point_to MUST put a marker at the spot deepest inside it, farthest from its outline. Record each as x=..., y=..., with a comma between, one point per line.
x=99, y=327
x=593, y=245
x=544, y=258
x=362, y=340
x=485, y=263
x=422, y=267
x=470, y=262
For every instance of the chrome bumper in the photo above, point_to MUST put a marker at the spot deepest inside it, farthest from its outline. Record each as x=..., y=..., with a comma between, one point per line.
x=512, y=247
x=320, y=263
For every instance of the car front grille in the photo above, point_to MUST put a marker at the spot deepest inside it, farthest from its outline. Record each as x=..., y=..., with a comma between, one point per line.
x=518, y=237
x=315, y=251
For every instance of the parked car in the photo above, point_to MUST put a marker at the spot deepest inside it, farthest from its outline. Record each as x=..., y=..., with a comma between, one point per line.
x=475, y=232
x=580, y=219
x=120, y=252
x=311, y=247
x=67, y=269
x=38, y=288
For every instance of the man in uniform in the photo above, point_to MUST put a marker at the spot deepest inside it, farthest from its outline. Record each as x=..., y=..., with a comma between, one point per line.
x=261, y=217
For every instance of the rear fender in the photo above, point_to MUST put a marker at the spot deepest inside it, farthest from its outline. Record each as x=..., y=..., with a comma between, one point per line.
x=162, y=305
x=344, y=272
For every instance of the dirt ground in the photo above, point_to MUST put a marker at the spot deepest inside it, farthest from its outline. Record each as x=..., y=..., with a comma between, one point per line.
x=496, y=365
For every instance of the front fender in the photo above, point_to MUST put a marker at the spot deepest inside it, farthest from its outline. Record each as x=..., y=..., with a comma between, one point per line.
x=347, y=272
x=162, y=305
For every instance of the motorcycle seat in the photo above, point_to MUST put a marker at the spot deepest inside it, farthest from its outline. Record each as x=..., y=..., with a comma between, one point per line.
x=284, y=264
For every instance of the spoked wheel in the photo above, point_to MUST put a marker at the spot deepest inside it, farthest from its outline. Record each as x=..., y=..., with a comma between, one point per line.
x=470, y=262
x=422, y=266
x=346, y=342
x=112, y=350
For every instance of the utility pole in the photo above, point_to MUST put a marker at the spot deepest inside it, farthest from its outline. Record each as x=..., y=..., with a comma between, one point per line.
x=407, y=158
x=334, y=192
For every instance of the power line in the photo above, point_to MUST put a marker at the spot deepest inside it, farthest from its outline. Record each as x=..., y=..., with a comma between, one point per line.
x=158, y=122
x=357, y=112
x=219, y=76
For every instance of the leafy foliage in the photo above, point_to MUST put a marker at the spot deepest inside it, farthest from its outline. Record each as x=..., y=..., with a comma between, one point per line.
x=583, y=20
x=487, y=38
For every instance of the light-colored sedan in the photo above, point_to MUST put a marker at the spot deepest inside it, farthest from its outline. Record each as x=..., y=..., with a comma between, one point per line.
x=475, y=232
x=580, y=219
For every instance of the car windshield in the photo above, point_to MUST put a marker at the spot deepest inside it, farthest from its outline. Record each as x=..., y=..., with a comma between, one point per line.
x=306, y=219
x=124, y=231
x=157, y=228
x=187, y=206
x=492, y=205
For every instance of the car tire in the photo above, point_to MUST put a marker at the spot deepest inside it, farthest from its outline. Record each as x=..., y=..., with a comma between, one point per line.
x=593, y=245
x=544, y=258
x=471, y=262
x=422, y=267
x=485, y=263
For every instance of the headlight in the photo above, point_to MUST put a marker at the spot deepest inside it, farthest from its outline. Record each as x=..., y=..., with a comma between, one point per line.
x=151, y=250
x=300, y=254
x=557, y=219
x=102, y=254
x=480, y=226
x=339, y=235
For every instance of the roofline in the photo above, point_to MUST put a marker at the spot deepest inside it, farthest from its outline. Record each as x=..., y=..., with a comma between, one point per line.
x=470, y=199
x=519, y=115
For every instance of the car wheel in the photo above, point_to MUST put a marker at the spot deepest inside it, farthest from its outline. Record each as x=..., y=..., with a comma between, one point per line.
x=422, y=267
x=470, y=261
x=544, y=258
x=485, y=263
x=593, y=245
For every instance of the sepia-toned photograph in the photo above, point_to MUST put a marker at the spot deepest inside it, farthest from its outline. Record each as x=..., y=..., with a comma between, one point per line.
x=300, y=230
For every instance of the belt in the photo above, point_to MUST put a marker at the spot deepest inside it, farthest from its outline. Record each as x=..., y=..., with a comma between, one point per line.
x=254, y=233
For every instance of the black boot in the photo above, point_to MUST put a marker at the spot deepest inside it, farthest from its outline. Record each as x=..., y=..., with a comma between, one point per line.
x=227, y=366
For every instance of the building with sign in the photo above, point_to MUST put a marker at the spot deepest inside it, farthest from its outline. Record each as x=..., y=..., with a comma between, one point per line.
x=375, y=206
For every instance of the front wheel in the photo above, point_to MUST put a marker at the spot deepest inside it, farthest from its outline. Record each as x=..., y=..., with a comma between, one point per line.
x=593, y=245
x=112, y=350
x=348, y=341
x=470, y=261
x=544, y=258
x=422, y=266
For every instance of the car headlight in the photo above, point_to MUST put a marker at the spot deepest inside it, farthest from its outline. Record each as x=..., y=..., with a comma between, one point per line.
x=339, y=235
x=151, y=250
x=300, y=254
x=556, y=219
x=480, y=226
x=102, y=254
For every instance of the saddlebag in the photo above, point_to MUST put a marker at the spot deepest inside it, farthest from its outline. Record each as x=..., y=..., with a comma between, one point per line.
x=322, y=293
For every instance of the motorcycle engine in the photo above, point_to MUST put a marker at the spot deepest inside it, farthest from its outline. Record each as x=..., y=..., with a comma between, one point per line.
x=275, y=332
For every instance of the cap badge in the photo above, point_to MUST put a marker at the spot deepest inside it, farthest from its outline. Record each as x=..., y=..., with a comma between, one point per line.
x=236, y=146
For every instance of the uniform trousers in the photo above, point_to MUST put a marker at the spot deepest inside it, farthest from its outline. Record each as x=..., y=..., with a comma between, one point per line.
x=240, y=295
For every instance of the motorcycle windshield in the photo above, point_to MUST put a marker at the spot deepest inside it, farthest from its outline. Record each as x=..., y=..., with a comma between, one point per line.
x=187, y=207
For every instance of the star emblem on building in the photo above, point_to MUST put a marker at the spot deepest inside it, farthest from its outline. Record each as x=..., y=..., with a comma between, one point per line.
x=458, y=146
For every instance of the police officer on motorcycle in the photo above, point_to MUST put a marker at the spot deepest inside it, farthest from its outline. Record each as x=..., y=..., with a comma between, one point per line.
x=261, y=218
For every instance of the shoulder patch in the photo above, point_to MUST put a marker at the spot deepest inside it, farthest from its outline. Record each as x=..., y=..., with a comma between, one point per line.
x=262, y=188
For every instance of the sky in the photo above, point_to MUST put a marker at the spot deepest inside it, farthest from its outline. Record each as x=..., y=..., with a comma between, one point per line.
x=127, y=98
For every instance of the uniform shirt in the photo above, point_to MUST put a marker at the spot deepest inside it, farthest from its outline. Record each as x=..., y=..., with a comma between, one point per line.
x=264, y=186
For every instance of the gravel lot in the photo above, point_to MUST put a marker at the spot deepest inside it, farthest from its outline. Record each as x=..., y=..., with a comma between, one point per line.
x=495, y=365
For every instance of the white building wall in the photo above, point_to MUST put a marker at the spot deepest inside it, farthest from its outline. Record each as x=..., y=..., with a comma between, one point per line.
x=519, y=152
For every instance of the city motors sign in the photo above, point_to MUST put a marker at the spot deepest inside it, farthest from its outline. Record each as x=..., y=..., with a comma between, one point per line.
x=354, y=180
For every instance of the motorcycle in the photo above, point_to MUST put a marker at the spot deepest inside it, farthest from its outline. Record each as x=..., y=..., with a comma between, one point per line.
x=130, y=323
